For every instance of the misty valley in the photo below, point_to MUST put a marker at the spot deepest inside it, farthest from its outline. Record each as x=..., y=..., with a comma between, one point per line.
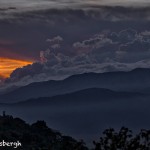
x=82, y=106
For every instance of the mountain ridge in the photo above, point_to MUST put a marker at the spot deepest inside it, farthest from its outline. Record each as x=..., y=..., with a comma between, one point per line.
x=120, y=81
x=90, y=95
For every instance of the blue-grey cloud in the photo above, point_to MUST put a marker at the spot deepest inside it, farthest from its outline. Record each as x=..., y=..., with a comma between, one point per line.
x=37, y=4
x=103, y=55
x=104, y=8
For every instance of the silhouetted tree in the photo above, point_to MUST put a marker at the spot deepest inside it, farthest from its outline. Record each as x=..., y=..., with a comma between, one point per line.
x=123, y=140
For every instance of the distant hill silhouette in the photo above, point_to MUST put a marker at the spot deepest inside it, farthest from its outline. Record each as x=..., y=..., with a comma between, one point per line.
x=86, y=96
x=134, y=80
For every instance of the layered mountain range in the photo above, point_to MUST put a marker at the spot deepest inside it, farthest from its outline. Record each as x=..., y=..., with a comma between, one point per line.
x=137, y=80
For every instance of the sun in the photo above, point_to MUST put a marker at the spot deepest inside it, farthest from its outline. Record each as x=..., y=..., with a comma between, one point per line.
x=7, y=66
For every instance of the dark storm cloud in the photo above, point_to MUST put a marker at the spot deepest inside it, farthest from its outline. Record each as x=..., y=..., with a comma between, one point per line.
x=44, y=3
x=7, y=9
x=55, y=42
x=85, y=37
x=102, y=56
x=31, y=28
x=103, y=9
x=133, y=52
x=95, y=42
x=111, y=13
x=124, y=36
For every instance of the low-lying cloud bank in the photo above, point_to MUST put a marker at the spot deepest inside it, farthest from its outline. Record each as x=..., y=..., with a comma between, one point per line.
x=103, y=52
x=43, y=4
x=86, y=11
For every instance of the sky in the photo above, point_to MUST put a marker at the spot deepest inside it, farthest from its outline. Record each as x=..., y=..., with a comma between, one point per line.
x=38, y=4
x=8, y=65
x=43, y=40
x=8, y=7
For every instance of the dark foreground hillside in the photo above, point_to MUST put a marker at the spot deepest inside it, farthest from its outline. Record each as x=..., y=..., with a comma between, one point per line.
x=39, y=137
x=35, y=137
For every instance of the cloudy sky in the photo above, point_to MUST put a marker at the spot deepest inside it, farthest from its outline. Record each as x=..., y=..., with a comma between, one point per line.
x=61, y=38
x=9, y=6
x=68, y=3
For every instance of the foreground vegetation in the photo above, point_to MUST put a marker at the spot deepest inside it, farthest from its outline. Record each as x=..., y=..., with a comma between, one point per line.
x=39, y=137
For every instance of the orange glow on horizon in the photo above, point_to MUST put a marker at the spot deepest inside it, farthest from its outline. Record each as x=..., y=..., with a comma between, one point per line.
x=7, y=66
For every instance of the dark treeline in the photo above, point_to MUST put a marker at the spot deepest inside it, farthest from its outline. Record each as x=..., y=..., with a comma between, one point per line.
x=40, y=137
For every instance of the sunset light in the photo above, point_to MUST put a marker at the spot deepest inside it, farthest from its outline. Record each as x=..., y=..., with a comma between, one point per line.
x=7, y=65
